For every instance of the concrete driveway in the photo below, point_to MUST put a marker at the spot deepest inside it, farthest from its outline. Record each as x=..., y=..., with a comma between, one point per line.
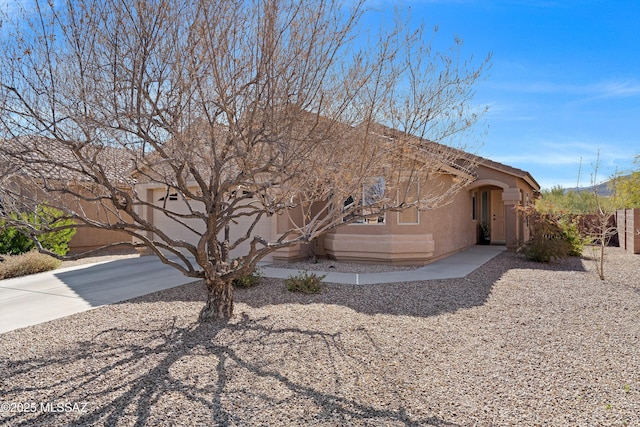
x=29, y=300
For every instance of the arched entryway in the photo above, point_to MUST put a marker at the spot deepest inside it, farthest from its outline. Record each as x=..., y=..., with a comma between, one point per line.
x=493, y=204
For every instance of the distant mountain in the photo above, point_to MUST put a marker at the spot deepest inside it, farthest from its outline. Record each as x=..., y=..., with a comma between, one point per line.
x=602, y=189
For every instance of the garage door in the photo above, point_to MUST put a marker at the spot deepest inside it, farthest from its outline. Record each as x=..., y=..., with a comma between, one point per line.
x=265, y=227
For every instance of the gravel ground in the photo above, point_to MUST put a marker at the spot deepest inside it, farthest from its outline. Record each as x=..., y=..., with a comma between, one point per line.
x=341, y=267
x=513, y=343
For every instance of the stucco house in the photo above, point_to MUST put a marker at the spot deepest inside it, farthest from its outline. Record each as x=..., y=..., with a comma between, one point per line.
x=421, y=237
x=411, y=236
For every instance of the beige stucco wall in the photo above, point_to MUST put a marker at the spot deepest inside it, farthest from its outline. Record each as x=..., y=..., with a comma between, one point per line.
x=440, y=232
x=85, y=238
x=92, y=238
x=408, y=249
x=452, y=226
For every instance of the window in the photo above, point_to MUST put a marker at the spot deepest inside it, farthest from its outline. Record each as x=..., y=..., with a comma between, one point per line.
x=474, y=205
x=372, y=195
x=484, y=206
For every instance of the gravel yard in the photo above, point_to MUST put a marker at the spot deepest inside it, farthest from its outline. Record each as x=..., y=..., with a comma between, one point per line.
x=327, y=265
x=513, y=343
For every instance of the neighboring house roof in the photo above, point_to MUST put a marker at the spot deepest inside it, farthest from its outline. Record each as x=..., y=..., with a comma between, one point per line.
x=44, y=158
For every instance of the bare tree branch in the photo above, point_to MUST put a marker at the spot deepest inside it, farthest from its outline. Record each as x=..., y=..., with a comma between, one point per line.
x=238, y=110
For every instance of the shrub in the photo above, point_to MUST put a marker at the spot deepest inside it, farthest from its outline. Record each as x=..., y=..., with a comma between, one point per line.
x=546, y=249
x=554, y=236
x=14, y=240
x=548, y=240
x=305, y=282
x=248, y=281
x=571, y=233
x=28, y=263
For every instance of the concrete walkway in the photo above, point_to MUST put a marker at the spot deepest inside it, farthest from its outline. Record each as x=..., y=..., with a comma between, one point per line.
x=30, y=300
x=454, y=266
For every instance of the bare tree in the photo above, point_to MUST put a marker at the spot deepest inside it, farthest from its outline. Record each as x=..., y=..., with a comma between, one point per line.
x=600, y=223
x=243, y=109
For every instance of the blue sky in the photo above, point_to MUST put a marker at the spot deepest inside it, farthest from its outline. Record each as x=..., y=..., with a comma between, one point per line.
x=564, y=83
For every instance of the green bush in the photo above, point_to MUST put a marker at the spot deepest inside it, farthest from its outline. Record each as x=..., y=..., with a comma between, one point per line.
x=571, y=234
x=554, y=235
x=14, y=240
x=28, y=263
x=545, y=249
x=305, y=282
x=248, y=281
x=548, y=242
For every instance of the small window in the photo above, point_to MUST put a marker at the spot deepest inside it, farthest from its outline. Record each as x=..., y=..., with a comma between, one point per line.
x=241, y=193
x=474, y=206
x=348, y=202
x=484, y=206
x=172, y=196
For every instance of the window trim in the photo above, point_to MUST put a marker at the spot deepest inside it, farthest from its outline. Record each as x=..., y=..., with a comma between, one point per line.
x=418, y=216
x=374, y=220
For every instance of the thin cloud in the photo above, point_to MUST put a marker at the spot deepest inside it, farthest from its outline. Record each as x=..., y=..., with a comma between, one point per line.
x=568, y=153
x=619, y=89
x=608, y=89
x=569, y=164
x=505, y=113
x=537, y=158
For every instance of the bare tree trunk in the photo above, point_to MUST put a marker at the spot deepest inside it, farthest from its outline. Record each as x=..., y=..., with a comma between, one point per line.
x=603, y=244
x=219, y=304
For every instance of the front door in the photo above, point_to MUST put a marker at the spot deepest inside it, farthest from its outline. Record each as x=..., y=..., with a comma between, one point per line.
x=497, y=217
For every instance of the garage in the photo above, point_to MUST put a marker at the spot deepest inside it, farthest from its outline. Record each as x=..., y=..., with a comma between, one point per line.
x=174, y=202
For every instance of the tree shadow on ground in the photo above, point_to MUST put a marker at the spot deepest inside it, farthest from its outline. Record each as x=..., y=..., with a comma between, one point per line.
x=420, y=299
x=149, y=368
x=98, y=284
x=200, y=374
x=120, y=280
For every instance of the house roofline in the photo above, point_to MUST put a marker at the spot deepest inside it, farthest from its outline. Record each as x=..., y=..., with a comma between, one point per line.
x=501, y=167
x=481, y=161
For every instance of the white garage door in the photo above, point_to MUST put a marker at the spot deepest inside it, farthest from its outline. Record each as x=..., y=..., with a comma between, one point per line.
x=265, y=227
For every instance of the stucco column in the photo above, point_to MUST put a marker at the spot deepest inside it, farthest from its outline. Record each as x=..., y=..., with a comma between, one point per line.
x=511, y=197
